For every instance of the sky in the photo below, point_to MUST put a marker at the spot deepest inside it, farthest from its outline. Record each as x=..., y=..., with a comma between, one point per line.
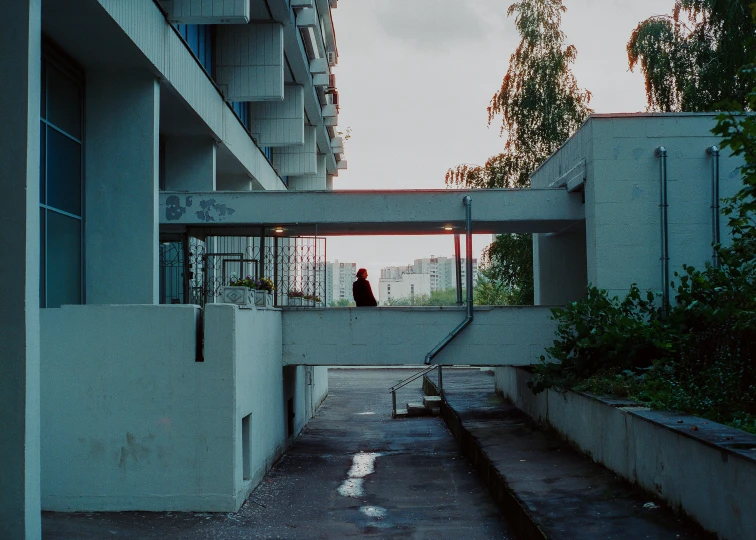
x=415, y=78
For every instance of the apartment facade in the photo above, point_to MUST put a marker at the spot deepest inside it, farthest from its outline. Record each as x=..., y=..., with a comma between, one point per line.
x=107, y=104
x=422, y=277
x=339, y=278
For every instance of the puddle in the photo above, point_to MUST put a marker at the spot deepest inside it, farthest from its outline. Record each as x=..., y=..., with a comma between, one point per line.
x=374, y=511
x=363, y=464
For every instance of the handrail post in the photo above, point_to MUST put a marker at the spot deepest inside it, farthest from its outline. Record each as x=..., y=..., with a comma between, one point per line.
x=393, y=404
x=458, y=268
x=440, y=381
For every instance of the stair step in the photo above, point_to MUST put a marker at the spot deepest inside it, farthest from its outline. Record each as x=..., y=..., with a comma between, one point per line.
x=416, y=409
x=435, y=411
x=401, y=413
x=432, y=401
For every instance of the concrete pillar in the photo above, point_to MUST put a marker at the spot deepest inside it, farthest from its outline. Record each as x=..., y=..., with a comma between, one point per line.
x=190, y=164
x=559, y=268
x=122, y=163
x=20, y=63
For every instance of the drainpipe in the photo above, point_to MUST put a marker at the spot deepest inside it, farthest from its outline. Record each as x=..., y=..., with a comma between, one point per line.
x=464, y=324
x=713, y=151
x=458, y=267
x=661, y=153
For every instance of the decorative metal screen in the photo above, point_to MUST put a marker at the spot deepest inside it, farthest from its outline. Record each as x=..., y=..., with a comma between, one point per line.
x=295, y=265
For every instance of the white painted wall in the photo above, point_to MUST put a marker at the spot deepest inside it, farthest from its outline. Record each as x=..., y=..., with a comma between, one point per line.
x=622, y=188
x=403, y=336
x=130, y=420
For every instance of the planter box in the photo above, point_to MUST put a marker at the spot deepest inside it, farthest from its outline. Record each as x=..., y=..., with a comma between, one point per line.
x=263, y=299
x=295, y=301
x=703, y=468
x=241, y=296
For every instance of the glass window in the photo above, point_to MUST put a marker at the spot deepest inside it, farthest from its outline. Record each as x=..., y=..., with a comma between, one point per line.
x=61, y=183
x=63, y=102
x=63, y=260
x=63, y=172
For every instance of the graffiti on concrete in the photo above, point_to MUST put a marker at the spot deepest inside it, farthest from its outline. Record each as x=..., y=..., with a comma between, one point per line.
x=212, y=211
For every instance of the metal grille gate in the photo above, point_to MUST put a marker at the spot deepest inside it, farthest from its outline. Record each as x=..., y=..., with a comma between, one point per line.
x=193, y=271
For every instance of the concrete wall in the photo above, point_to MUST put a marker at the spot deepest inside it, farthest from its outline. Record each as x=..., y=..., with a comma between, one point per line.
x=701, y=471
x=131, y=421
x=21, y=57
x=623, y=223
x=403, y=336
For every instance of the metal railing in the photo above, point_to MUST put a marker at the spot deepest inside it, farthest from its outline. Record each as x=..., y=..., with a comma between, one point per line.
x=414, y=377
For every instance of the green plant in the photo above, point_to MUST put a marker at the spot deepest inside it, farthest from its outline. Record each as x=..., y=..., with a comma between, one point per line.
x=296, y=293
x=257, y=284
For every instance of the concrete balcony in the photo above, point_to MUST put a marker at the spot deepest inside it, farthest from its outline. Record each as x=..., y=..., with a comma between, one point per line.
x=207, y=11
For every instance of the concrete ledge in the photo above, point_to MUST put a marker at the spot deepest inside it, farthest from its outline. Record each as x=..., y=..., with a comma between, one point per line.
x=702, y=468
x=513, y=509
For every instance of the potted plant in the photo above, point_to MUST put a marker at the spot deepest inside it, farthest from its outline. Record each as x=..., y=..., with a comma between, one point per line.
x=309, y=300
x=318, y=301
x=264, y=288
x=238, y=291
x=295, y=297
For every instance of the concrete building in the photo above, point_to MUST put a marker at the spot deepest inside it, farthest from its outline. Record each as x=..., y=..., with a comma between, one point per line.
x=339, y=278
x=105, y=104
x=422, y=277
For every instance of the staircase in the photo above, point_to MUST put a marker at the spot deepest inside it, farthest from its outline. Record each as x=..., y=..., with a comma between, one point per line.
x=431, y=405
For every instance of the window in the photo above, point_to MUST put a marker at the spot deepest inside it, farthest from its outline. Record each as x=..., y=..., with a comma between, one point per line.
x=61, y=208
x=200, y=38
x=241, y=108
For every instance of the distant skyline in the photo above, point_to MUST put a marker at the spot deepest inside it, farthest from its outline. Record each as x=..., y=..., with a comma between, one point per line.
x=415, y=78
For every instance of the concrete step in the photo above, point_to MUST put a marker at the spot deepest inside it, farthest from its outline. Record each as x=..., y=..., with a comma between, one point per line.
x=401, y=413
x=417, y=409
x=431, y=402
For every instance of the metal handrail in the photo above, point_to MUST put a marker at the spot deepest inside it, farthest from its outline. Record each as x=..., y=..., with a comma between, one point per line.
x=408, y=380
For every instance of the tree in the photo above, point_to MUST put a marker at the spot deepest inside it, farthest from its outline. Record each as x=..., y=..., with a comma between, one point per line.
x=343, y=302
x=691, y=59
x=541, y=105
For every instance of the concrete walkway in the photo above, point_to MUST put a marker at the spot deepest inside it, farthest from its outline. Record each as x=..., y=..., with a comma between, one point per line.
x=545, y=487
x=353, y=473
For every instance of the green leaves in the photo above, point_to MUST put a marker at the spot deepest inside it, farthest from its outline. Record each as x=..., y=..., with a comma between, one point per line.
x=691, y=59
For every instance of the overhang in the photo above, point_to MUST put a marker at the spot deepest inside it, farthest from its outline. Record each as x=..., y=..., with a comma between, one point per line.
x=330, y=213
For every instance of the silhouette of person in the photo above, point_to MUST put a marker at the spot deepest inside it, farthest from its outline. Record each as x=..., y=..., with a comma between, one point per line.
x=363, y=294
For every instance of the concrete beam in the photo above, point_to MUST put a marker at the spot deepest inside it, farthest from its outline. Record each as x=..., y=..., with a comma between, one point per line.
x=403, y=336
x=376, y=212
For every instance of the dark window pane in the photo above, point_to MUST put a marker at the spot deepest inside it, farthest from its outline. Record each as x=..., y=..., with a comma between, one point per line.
x=63, y=260
x=42, y=257
x=42, y=162
x=43, y=94
x=63, y=172
x=192, y=38
x=64, y=102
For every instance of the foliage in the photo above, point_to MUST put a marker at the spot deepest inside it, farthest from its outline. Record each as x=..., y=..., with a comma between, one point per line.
x=698, y=357
x=343, y=302
x=508, y=261
x=541, y=105
x=296, y=293
x=691, y=59
x=259, y=284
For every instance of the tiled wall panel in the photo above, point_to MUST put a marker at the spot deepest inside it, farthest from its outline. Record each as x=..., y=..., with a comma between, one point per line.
x=249, y=62
x=279, y=124
x=207, y=11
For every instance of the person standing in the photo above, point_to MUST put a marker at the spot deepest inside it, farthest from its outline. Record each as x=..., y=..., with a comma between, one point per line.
x=361, y=290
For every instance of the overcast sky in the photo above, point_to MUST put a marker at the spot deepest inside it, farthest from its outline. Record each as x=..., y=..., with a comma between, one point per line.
x=415, y=78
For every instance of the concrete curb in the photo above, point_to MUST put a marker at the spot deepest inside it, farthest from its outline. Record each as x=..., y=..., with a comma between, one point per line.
x=511, y=506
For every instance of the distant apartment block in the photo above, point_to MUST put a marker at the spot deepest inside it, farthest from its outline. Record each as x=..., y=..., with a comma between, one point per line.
x=339, y=278
x=422, y=277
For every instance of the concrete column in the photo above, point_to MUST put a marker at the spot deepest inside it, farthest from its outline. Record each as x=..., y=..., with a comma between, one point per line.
x=20, y=63
x=123, y=112
x=190, y=164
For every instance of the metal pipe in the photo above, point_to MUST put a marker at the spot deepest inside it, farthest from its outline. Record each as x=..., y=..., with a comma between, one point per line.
x=469, y=252
x=458, y=266
x=454, y=333
x=661, y=153
x=713, y=151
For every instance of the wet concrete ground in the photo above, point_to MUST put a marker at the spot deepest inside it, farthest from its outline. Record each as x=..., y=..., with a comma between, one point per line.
x=353, y=473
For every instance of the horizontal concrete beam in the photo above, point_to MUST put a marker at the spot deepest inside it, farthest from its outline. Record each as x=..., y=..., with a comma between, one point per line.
x=374, y=212
x=403, y=336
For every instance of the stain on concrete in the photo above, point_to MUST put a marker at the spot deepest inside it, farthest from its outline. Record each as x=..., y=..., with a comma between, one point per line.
x=173, y=209
x=132, y=451
x=212, y=211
